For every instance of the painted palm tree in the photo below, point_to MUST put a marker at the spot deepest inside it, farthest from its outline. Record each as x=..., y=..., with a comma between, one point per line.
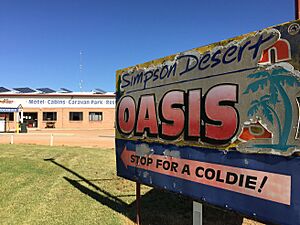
x=264, y=105
x=275, y=80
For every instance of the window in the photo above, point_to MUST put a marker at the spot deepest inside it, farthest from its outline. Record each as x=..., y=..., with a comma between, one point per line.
x=49, y=116
x=9, y=116
x=76, y=116
x=95, y=116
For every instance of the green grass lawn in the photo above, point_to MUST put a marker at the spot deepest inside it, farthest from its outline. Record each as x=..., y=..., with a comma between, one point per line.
x=69, y=185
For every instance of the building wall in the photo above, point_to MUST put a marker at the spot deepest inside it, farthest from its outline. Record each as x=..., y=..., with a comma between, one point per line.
x=107, y=122
x=63, y=113
x=63, y=120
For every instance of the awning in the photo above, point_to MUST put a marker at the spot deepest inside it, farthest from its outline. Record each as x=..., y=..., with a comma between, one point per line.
x=11, y=109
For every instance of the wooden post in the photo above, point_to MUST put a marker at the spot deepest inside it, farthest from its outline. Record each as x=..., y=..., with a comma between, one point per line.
x=138, y=203
x=12, y=139
x=18, y=127
x=197, y=213
x=51, y=140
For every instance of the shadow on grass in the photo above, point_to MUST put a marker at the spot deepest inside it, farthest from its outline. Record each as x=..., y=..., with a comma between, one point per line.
x=157, y=206
x=86, y=181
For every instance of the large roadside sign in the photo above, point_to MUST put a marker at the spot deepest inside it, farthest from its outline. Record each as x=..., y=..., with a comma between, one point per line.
x=218, y=123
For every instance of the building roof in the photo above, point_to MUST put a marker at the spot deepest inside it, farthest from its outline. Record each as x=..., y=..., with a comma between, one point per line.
x=26, y=91
x=3, y=90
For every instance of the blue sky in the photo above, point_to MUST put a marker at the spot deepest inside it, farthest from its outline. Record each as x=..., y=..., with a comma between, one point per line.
x=41, y=40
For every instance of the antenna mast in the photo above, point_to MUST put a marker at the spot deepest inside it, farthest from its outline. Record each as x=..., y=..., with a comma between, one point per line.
x=80, y=69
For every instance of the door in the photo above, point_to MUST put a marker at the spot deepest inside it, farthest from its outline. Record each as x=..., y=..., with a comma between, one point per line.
x=2, y=125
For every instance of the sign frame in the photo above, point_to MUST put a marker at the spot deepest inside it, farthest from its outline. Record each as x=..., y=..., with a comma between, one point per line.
x=219, y=123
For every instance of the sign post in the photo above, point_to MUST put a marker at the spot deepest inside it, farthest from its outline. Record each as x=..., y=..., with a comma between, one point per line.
x=297, y=9
x=138, y=203
x=197, y=213
x=218, y=123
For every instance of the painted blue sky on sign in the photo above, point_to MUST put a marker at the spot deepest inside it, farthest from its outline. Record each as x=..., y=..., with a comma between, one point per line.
x=40, y=41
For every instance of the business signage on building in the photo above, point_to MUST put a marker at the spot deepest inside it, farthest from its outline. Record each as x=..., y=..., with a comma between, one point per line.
x=59, y=102
x=218, y=123
x=9, y=106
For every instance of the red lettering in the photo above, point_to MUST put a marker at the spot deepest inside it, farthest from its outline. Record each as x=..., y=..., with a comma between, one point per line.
x=147, y=115
x=194, y=113
x=281, y=49
x=126, y=115
x=215, y=120
x=223, y=116
x=172, y=115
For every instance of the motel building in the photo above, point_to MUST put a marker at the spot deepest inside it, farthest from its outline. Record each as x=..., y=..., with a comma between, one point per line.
x=43, y=108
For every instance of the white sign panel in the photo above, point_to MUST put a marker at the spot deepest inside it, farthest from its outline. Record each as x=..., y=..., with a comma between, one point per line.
x=66, y=102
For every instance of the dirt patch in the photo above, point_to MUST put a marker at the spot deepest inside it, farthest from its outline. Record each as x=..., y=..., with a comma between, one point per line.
x=103, y=138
